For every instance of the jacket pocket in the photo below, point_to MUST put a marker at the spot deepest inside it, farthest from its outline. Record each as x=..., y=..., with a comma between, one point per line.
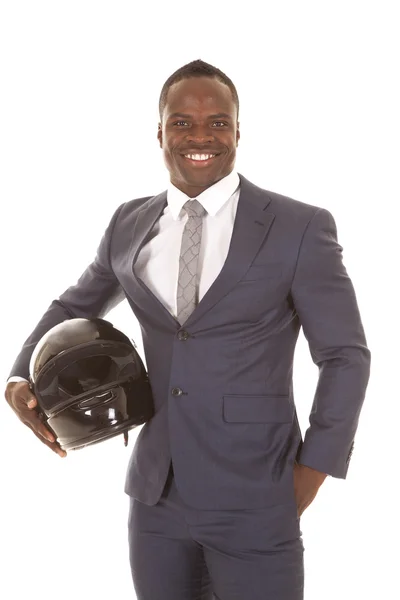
x=263, y=271
x=257, y=409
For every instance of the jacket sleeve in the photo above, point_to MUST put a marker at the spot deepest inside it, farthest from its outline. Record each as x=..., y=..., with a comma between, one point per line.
x=326, y=304
x=96, y=292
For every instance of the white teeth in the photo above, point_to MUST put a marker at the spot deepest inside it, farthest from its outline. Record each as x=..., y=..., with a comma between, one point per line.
x=199, y=156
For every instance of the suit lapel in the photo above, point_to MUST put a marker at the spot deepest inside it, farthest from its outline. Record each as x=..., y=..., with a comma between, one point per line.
x=252, y=223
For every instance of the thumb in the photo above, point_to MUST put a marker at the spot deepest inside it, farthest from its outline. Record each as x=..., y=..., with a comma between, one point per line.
x=30, y=397
x=31, y=403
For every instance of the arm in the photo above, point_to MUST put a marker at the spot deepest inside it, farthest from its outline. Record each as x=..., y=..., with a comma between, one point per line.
x=325, y=301
x=94, y=295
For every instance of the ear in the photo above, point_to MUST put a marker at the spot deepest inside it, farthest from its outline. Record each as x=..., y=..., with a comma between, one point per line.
x=237, y=134
x=159, y=134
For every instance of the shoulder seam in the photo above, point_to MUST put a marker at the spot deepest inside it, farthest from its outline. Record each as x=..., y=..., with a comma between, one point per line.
x=301, y=243
x=115, y=218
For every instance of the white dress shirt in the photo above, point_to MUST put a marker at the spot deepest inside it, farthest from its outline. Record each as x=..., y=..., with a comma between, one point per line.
x=158, y=261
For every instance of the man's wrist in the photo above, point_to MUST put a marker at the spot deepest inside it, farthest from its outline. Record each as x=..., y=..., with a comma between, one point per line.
x=318, y=475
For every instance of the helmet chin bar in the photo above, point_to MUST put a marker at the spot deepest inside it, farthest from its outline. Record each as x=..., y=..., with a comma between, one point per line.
x=77, y=427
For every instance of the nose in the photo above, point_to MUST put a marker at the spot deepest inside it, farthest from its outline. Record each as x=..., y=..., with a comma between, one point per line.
x=199, y=134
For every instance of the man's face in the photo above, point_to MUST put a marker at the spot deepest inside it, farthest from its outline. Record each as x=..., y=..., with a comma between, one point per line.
x=200, y=118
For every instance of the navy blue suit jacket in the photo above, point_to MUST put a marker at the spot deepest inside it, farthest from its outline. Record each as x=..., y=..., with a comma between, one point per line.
x=222, y=382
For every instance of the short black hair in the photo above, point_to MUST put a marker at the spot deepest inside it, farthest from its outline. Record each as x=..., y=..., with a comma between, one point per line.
x=196, y=68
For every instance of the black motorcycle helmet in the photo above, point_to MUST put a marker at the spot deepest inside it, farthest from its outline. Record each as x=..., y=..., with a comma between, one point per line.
x=90, y=382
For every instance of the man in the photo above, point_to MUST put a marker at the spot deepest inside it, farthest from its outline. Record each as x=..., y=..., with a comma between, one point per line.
x=221, y=275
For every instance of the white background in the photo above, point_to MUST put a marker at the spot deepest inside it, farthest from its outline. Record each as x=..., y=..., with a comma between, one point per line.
x=80, y=83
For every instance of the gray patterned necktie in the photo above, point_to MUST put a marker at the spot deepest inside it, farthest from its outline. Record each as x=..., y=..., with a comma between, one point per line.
x=187, y=294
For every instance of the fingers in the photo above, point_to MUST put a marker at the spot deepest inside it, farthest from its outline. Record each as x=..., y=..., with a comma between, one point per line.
x=31, y=418
x=55, y=446
x=24, y=403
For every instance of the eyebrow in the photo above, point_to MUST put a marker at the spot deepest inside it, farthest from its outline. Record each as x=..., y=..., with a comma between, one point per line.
x=185, y=116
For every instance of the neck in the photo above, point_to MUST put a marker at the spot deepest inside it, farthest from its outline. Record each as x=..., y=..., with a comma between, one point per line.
x=193, y=190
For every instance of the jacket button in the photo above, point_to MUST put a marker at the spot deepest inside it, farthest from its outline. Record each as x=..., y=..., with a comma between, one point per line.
x=176, y=391
x=183, y=335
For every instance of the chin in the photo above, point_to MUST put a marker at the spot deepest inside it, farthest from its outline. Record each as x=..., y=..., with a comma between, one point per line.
x=203, y=180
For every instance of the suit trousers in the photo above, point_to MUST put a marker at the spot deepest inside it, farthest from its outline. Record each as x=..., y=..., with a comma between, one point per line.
x=178, y=552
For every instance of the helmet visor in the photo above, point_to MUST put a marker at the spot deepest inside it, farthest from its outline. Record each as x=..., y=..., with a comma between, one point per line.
x=76, y=374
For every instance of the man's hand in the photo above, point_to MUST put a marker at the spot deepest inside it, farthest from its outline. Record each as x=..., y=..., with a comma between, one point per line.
x=307, y=481
x=19, y=396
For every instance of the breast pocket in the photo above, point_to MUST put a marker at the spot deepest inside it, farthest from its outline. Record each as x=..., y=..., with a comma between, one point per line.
x=257, y=272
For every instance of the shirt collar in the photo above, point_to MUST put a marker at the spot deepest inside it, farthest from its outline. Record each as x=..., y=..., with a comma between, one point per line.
x=212, y=199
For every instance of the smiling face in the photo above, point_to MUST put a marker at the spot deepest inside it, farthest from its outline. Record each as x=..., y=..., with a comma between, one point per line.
x=199, y=120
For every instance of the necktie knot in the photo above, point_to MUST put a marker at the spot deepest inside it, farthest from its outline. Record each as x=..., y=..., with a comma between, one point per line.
x=194, y=208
